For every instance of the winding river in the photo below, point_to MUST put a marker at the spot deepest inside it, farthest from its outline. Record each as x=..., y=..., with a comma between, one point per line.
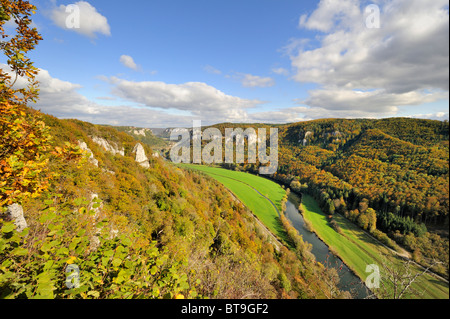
x=348, y=280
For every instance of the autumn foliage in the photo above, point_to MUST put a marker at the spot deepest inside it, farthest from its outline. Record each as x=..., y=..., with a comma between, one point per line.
x=24, y=139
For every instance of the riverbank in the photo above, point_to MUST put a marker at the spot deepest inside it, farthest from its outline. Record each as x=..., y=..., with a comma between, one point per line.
x=349, y=280
x=358, y=250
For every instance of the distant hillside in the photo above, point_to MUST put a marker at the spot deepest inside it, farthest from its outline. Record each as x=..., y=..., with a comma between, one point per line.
x=145, y=135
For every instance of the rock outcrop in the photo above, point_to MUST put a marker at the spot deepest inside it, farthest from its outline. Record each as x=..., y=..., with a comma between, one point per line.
x=14, y=213
x=109, y=146
x=141, y=132
x=141, y=157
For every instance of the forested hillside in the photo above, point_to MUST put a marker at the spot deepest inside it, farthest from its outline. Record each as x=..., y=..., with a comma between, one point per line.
x=141, y=232
x=394, y=170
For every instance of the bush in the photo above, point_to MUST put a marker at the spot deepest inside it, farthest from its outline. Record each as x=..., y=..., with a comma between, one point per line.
x=335, y=226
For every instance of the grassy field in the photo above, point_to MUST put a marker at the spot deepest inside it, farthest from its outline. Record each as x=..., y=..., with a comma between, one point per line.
x=246, y=186
x=358, y=249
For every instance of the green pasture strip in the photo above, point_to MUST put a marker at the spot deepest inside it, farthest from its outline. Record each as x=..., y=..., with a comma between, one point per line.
x=357, y=249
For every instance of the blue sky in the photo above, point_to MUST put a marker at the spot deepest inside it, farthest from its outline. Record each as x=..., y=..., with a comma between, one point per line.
x=165, y=63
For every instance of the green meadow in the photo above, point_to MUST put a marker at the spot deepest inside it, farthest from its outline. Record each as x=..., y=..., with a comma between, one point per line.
x=358, y=249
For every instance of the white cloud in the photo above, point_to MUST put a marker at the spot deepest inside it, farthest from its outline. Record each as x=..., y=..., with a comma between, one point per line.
x=440, y=116
x=197, y=98
x=404, y=62
x=90, y=20
x=250, y=81
x=370, y=102
x=212, y=70
x=128, y=61
x=280, y=71
x=329, y=12
x=62, y=99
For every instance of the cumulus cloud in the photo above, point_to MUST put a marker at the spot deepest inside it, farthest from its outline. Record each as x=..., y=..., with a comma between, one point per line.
x=404, y=62
x=82, y=18
x=251, y=81
x=128, y=61
x=150, y=104
x=331, y=12
x=62, y=99
x=197, y=98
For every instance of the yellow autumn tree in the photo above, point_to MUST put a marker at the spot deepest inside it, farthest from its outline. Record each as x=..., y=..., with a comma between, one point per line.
x=24, y=138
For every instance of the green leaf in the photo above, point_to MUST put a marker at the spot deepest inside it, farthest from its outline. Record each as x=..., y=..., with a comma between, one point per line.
x=20, y=252
x=81, y=232
x=63, y=251
x=6, y=263
x=8, y=227
x=116, y=262
x=46, y=247
x=126, y=241
x=94, y=293
x=44, y=286
x=153, y=270
x=109, y=253
x=105, y=261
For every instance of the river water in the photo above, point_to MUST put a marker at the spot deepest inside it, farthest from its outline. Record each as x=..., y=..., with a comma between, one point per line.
x=348, y=280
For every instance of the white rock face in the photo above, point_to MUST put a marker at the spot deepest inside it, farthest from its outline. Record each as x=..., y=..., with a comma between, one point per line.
x=85, y=148
x=15, y=213
x=140, y=132
x=141, y=158
x=109, y=146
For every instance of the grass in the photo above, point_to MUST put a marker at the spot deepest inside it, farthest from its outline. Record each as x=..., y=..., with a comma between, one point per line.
x=246, y=186
x=357, y=249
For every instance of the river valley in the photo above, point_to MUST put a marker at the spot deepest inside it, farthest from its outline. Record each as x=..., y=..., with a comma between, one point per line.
x=348, y=280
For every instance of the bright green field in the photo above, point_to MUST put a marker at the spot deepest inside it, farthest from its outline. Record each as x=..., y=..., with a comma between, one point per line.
x=243, y=186
x=357, y=249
